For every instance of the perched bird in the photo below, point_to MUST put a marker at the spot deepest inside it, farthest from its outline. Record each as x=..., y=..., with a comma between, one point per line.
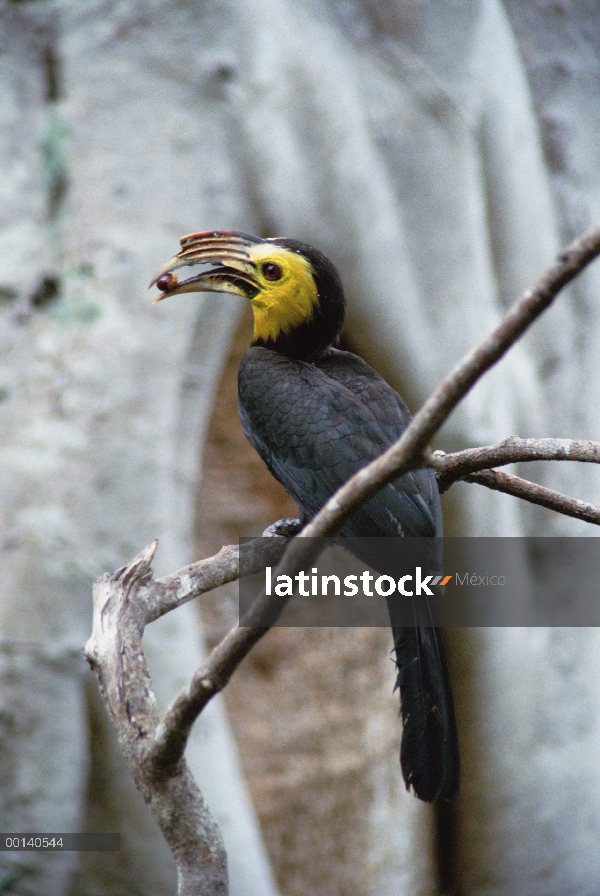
x=316, y=415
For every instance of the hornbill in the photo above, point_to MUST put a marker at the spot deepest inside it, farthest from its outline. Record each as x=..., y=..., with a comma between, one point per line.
x=316, y=415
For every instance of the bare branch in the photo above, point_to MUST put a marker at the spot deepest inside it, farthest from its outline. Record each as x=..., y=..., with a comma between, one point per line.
x=530, y=491
x=451, y=467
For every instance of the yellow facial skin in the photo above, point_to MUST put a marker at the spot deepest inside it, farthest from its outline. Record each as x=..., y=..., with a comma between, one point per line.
x=287, y=302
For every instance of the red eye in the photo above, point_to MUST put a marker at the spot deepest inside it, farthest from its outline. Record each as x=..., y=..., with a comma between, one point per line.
x=271, y=270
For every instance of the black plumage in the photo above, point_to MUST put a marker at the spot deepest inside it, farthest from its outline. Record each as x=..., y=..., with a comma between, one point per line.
x=315, y=424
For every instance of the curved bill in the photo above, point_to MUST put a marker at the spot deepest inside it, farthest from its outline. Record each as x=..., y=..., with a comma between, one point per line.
x=233, y=270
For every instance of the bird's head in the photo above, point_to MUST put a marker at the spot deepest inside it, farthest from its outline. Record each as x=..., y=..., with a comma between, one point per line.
x=295, y=291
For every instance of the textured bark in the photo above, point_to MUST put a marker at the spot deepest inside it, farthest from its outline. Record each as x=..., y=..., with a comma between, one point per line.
x=115, y=654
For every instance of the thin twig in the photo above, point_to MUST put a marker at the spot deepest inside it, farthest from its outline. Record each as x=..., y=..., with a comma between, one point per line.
x=451, y=467
x=501, y=481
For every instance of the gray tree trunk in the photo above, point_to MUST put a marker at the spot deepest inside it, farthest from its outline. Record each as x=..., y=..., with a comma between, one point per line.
x=112, y=146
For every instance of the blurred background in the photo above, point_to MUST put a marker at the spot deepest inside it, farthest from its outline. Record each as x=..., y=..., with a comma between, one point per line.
x=440, y=155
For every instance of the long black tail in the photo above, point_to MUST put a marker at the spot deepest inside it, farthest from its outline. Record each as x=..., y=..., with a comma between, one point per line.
x=429, y=754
